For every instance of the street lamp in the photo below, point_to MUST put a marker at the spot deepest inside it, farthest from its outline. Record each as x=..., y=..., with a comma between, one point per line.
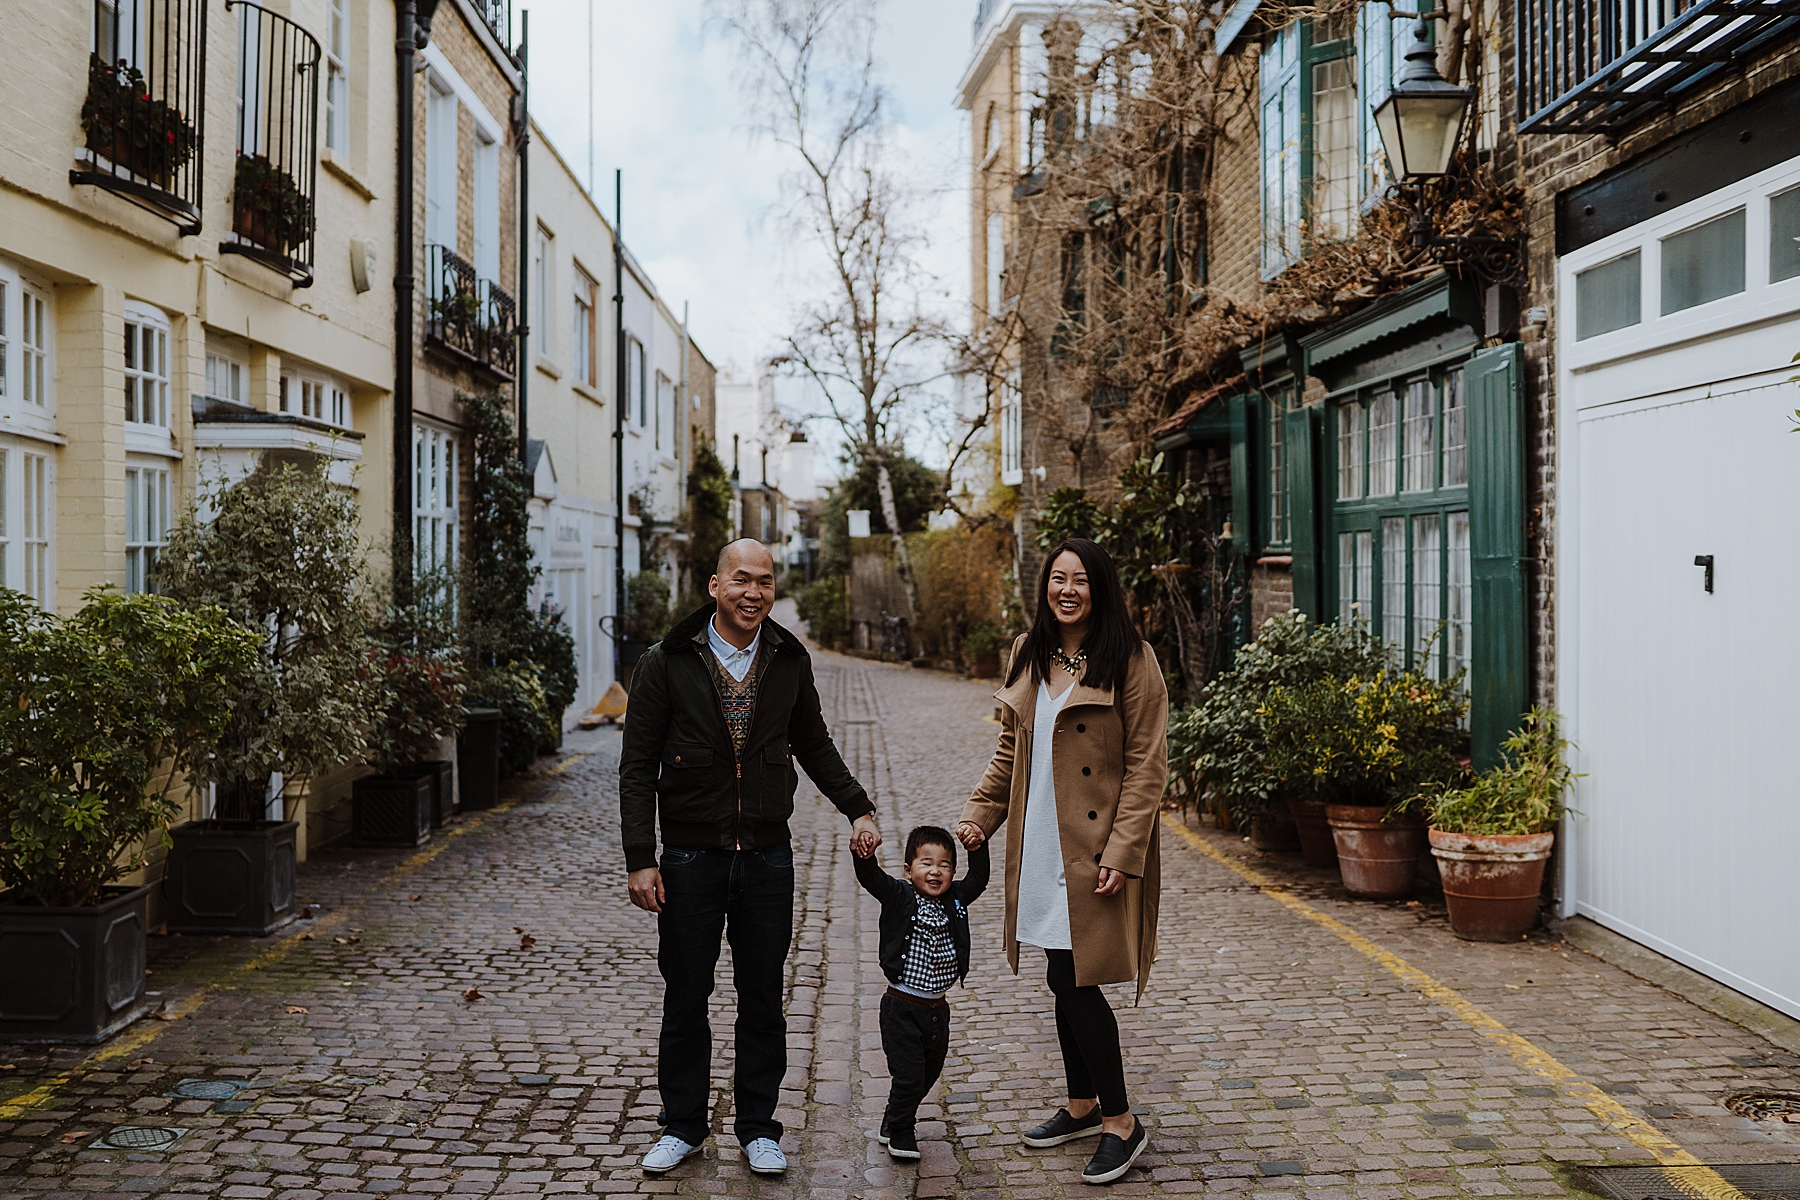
x=1422, y=117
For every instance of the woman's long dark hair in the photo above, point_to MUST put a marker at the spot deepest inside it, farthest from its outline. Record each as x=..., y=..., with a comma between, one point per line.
x=1111, y=639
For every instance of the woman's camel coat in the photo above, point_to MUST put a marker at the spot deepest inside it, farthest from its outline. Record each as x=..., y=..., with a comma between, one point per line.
x=1111, y=763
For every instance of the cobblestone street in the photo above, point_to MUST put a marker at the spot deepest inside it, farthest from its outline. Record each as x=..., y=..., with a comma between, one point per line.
x=480, y=1018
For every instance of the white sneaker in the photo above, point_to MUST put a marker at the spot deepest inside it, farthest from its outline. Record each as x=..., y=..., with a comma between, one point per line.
x=765, y=1157
x=667, y=1154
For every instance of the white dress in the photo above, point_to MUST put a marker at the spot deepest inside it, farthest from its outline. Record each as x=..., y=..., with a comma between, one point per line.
x=1043, y=912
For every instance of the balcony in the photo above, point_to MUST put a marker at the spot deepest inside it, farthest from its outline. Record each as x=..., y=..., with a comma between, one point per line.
x=497, y=16
x=273, y=217
x=471, y=319
x=146, y=95
x=1598, y=66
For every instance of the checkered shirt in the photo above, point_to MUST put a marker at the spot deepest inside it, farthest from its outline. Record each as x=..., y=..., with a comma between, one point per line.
x=930, y=966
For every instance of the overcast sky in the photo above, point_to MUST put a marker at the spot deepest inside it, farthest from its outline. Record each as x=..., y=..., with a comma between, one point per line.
x=702, y=194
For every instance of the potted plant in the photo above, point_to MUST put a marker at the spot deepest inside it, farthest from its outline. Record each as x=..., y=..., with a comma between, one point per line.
x=646, y=615
x=122, y=123
x=981, y=648
x=1492, y=838
x=420, y=684
x=1366, y=747
x=104, y=715
x=280, y=555
x=267, y=206
x=1222, y=744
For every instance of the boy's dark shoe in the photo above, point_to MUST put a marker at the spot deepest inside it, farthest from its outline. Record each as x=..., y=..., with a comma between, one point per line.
x=900, y=1144
x=1114, y=1155
x=1063, y=1128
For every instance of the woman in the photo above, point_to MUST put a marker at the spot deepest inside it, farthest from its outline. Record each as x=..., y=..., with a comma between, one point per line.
x=1080, y=772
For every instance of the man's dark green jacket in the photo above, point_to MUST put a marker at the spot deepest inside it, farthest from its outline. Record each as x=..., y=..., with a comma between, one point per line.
x=678, y=764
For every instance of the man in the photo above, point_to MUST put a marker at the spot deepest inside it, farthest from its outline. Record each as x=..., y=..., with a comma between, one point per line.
x=720, y=709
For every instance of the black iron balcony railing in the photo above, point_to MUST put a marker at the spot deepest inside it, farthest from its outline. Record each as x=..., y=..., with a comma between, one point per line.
x=1588, y=66
x=146, y=99
x=471, y=318
x=273, y=215
x=497, y=16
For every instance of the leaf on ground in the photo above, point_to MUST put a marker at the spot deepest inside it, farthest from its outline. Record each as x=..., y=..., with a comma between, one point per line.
x=472, y=995
x=518, y=929
x=163, y=1014
x=75, y=1135
x=346, y=941
x=138, y=1064
x=295, y=1008
x=415, y=896
x=9, y=1066
x=526, y=942
x=307, y=937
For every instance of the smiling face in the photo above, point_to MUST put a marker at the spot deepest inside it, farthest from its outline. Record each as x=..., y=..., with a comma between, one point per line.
x=744, y=589
x=1067, y=592
x=931, y=870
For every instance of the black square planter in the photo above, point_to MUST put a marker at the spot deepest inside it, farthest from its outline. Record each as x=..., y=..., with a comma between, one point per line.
x=442, y=774
x=231, y=877
x=72, y=974
x=478, y=759
x=391, y=810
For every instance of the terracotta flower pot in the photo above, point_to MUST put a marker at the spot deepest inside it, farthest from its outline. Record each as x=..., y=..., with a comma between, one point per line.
x=1317, y=846
x=1274, y=832
x=1379, y=859
x=1491, y=883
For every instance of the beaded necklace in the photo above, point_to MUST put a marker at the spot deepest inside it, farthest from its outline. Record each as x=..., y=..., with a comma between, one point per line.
x=1071, y=664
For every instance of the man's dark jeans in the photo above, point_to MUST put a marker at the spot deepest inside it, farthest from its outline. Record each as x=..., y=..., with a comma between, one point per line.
x=748, y=895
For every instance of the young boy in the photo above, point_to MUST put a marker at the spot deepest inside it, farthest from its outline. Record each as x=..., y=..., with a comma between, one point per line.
x=924, y=949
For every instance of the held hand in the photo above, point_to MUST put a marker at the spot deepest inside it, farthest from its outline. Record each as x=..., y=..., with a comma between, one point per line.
x=865, y=836
x=646, y=887
x=970, y=835
x=1111, y=882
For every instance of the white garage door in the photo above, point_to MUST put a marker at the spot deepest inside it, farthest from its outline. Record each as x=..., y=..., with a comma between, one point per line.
x=1688, y=703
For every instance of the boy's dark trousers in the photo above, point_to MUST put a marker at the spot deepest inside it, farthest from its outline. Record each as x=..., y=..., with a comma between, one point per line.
x=915, y=1034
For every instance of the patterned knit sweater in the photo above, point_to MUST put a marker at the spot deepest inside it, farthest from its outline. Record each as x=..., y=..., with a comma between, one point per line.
x=737, y=699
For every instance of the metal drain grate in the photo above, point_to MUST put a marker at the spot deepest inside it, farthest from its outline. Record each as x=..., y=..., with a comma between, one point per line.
x=139, y=1137
x=1766, y=1106
x=206, y=1089
x=1758, y=1181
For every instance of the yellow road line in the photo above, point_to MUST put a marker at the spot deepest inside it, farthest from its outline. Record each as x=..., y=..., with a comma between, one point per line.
x=1707, y=1182
x=131, y=1042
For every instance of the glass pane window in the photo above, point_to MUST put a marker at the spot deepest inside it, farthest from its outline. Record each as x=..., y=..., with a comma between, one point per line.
x=582, y=331
x=1381, y=55
x=1609, y=296
x=1012, y=428
x=5, y=525
x=1427, y=609
x=1784, y=235
x=337, y=80
x=146, y=523
x=1349, y=451
x=1456, y=432
x=1703, y=264
x=1335, y=173
x=34, y=527
x=1419, y=466
x=5, y=341
x=224, y=379
x=337, y=407
x=1393, y=580
x=1278, y=506
x=1383, y=438
x=542, y=316
x=1356, y=572
x=34, y=350
x=1281, y=148
x=146, y=373
x=434, y=501
x=1458, y=593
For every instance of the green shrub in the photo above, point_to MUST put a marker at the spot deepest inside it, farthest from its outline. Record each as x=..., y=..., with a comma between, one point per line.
x=527, y=723
x=983, y=641
x=1377, y=741
x=825, y=607
x=1218, y=747
x=99, y=716
x=1524, y=794
x=646, y=606
x=118, y=106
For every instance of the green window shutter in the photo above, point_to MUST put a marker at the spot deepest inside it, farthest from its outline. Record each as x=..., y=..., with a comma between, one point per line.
x=1243, y=477
x=1300, y=434
x=1499, y=656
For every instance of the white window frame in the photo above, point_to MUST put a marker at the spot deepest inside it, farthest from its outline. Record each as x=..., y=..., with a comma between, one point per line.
x=665, y=404
x=545, y=253
x=225, y=378
x=636, y=381
x=337, y=77
x=146, y=383
x=317, y=397
x=37, y=527
x=1279, y=116
x=37, y=332
x=485, y=214
x=996, y=264
x=581, y=328
x=147, y=519
x=440, y=162
x=1012, y=430
x=436, y=454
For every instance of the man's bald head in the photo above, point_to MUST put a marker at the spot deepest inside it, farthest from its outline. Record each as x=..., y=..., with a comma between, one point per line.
x=746, y=552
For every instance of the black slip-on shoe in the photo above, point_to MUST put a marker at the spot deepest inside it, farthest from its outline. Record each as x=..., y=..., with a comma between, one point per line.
x=1063, y=1128
x=902, y=1145
x=1114, y=1155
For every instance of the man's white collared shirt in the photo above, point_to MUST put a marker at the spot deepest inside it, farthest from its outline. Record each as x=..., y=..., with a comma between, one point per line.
x=736, y=662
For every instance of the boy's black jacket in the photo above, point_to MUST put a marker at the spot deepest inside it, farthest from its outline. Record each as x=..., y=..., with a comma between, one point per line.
x=678, y=762
x=897, y=907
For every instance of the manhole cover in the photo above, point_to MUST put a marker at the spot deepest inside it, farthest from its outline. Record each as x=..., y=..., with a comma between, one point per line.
x=139, y=1137
x=1759, y=1181
x=206, y=1089
x=1766, y=1106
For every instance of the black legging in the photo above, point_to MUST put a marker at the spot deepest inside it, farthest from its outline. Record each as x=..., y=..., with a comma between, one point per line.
x=1089, y=1034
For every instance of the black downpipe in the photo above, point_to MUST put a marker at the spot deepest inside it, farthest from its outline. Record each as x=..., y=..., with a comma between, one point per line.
x=522, y=136
x=406, y=42
x=618, y=419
